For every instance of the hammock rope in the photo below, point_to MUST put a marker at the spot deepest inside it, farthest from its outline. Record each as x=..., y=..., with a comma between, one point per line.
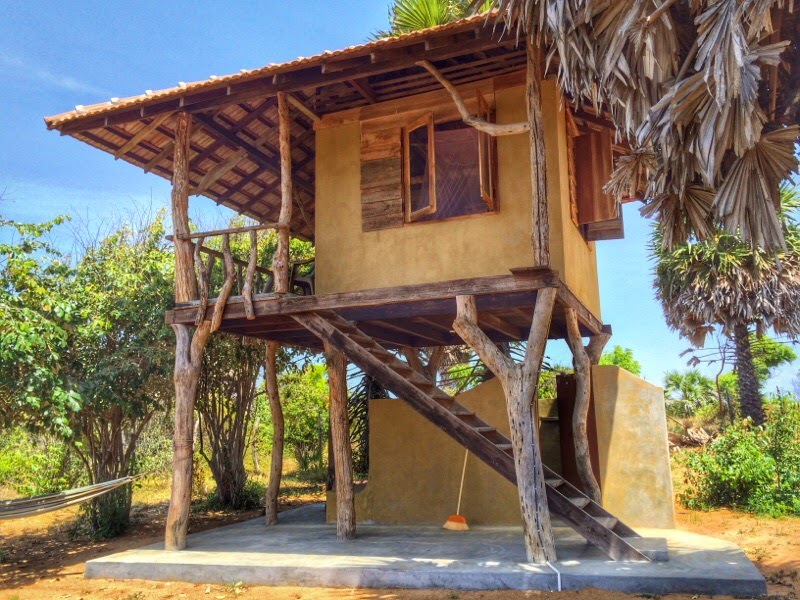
x=27, y=507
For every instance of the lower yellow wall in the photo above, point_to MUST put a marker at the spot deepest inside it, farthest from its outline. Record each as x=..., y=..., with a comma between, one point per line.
x=415, y=468
x=632, y=443
x=349, y=259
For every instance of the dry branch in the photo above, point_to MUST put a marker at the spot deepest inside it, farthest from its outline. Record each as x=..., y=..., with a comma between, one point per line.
x=493, y=129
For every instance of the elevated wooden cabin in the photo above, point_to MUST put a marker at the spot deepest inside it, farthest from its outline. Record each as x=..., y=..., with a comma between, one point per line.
x=417, y=218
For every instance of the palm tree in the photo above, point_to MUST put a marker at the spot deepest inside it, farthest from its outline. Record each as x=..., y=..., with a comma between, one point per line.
x=406, y=16
x=705, y=92
x=724, y=282
x=688, y=392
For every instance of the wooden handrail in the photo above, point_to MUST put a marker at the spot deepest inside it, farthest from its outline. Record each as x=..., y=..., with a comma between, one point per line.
x=218, y=254
x=243, y=229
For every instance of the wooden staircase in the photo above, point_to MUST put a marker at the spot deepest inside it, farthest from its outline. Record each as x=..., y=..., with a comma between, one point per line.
x=586, y=517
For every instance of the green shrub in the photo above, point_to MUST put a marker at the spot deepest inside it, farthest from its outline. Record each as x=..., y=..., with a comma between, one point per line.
x=252, y=498
x=34, y=464
x=756, y=469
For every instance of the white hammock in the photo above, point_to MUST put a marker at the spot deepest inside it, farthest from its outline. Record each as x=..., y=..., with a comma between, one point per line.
x=27, y=507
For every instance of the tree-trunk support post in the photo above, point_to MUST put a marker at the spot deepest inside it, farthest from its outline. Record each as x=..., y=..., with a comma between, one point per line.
x=280, y=261
x=340, y=438
x=540, y=232
x=582, y=365
x=188, y=347
x=276, y=456
x=519, y=383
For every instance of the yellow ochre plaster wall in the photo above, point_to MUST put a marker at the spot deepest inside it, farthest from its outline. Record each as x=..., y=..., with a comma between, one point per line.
x=415, y=468
x=632, y=444
x=349, y=259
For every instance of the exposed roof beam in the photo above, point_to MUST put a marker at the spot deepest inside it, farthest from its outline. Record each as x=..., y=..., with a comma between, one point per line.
x=303, y=108
x=496, y=323
x=140, y=135
x=165, y=151
x=257, y=156
x=363, y=88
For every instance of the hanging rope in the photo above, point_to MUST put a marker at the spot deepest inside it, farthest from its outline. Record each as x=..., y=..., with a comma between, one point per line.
x=27, y=507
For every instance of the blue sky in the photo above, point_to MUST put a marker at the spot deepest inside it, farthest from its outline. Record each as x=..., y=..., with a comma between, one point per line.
x=55, y=55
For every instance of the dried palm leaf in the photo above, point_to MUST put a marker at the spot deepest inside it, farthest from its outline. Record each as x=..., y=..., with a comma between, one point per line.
x=631, y=175
x=747, y=200
x=682, y=215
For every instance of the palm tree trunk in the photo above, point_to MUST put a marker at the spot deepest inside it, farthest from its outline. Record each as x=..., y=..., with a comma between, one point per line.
x=749, y=394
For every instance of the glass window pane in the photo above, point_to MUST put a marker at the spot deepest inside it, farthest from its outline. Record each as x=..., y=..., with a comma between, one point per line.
x=458, y=184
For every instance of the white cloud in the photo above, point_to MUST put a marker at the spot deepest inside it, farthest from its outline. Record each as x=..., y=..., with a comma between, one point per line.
x=40, y=75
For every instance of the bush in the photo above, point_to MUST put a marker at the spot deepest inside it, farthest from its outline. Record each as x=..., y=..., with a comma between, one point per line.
x=756, y=469
x=251, y=498
x=34, y=464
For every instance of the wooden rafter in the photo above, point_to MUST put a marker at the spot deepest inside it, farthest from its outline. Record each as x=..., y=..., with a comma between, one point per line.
x=363, y=88
x=141, y=135
x=303, y=108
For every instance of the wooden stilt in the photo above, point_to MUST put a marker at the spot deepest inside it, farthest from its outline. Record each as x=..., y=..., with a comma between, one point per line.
x=189, y=347
x=276, y=456
x=583, y=387
x=540, y=231
x=280, y=261
x=185, y=280
x=340, y=437
x=519, y=383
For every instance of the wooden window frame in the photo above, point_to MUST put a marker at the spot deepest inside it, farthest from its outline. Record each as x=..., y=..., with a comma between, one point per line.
x=487, y=156
x=424, y=121
x=487, y=166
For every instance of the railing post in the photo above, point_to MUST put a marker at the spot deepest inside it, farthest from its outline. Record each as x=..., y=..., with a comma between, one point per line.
x=280, y=262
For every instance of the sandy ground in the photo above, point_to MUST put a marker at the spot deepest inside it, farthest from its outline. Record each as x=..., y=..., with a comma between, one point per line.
x=38, y=560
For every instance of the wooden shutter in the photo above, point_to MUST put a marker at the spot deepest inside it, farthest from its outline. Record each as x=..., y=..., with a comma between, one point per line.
x=593, y=167
x=612, y=229
x=381, y=178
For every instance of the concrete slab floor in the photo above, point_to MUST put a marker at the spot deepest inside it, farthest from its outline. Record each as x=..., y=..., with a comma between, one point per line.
x=302, y=550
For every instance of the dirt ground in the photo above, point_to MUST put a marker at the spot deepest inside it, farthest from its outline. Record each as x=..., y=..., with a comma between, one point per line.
x=39, y=559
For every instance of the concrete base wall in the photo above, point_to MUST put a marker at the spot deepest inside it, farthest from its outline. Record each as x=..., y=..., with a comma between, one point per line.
x=415, y=468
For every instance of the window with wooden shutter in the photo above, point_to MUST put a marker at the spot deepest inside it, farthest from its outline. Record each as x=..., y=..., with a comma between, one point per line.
x=591, y=163
x=381, y=178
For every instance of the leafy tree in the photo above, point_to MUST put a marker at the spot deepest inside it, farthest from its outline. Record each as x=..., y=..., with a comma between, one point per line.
x=622, y=358
x=687, y=393
x=304, y=396
x=118, y=357
x=226, y=394
x=724, y=282
x=35, y=319
x=768, y=355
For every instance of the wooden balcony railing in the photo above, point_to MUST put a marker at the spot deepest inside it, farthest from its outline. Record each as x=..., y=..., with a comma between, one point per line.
x=239, y=277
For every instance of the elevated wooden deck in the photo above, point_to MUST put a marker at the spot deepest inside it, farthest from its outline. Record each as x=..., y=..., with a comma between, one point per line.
x=413, y=315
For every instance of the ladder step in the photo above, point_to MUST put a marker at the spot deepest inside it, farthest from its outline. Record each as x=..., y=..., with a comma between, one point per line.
x=579, y=501
x=607, y=522
x=504, y=447
x=484, y=428
x=554, y=482
x=460, y=411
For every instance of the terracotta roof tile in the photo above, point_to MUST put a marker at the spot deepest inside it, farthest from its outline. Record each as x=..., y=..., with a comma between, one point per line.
x=150, y=96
